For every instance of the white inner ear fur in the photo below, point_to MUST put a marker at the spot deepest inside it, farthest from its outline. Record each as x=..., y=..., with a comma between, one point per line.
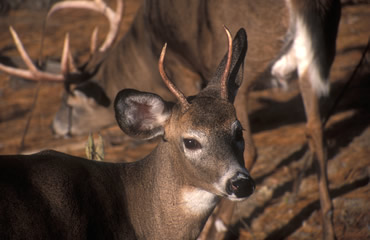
x=156, y=107
x=197, y=201
x=157, y=111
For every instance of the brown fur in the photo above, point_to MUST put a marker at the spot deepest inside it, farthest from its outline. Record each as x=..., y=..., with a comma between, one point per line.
x=51, y=195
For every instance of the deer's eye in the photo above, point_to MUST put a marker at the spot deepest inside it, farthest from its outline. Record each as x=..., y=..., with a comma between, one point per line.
x=192, y=144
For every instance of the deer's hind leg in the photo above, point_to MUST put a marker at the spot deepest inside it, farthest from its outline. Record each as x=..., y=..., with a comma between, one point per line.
x=315, y=138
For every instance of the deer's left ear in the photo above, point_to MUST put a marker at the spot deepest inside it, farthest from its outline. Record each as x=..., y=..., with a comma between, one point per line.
x=141, y=114
x=239, y=50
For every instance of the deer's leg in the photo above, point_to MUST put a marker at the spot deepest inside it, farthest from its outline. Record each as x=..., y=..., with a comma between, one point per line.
x=314, y=131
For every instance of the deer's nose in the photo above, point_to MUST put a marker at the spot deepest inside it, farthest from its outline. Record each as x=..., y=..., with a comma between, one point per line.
x=241, y=185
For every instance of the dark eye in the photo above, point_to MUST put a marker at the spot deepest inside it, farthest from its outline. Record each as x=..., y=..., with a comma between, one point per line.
x=191, y=144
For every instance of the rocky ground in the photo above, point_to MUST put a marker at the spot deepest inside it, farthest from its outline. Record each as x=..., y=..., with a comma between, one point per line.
x=277, y=119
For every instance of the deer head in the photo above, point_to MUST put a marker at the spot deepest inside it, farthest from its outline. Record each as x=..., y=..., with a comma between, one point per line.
x=202, y=134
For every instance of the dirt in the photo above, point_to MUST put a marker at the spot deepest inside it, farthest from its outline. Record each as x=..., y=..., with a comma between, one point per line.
x=277, y=119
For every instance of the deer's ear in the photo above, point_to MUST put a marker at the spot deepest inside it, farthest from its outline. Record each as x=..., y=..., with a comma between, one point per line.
x=240, y=46
x=141, y=114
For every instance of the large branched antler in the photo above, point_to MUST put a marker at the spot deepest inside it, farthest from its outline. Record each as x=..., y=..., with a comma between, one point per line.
x=33, y=73
x=114, y=17
x=67, y=64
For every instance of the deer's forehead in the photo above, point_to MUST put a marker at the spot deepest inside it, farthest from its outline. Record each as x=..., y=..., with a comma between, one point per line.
x=210, y=114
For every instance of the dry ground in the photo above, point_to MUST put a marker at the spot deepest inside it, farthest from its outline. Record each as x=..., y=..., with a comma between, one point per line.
x=277, y=122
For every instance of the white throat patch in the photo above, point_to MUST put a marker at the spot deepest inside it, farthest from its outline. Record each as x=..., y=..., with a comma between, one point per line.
x=197, y=201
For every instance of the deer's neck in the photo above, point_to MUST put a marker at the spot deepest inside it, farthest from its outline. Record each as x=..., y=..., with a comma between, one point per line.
x=162, y=204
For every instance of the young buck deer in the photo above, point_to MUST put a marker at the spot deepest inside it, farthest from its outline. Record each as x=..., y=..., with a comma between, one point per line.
x=167, y=195
x=192, y=29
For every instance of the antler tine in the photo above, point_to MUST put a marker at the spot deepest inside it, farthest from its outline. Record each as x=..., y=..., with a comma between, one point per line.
x=225, y=75
x=94, y=40
x=114, y=18
x=27, y=74
x=179, y=95
x=26, y=58
x=114, y=26
x=32, y=73
x=67, y=63
x=65, y=55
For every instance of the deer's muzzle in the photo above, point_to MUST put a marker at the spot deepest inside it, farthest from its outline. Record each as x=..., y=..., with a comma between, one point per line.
x=241, y=185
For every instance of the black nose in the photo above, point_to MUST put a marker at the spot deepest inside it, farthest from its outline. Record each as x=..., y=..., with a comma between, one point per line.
x=241, y=185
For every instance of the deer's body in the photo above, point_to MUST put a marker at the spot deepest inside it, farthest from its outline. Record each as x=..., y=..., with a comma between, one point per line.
x=167, y=195
x=51, y=195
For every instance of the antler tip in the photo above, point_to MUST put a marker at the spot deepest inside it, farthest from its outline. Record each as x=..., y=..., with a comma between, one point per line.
x=161, y=57
x=66, y=43
x=13, y=32
x=225, y=75
x=227, y=31
x=163, y=52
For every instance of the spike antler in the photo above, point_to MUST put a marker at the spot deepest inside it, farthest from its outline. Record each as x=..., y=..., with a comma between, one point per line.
x=179, y=95
x=225, y=75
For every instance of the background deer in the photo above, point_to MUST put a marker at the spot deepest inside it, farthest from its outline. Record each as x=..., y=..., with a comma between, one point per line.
x=308, y=51
x=168, y=194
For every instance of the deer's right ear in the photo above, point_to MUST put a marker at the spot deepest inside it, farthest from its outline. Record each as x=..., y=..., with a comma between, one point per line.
x=141, y=114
